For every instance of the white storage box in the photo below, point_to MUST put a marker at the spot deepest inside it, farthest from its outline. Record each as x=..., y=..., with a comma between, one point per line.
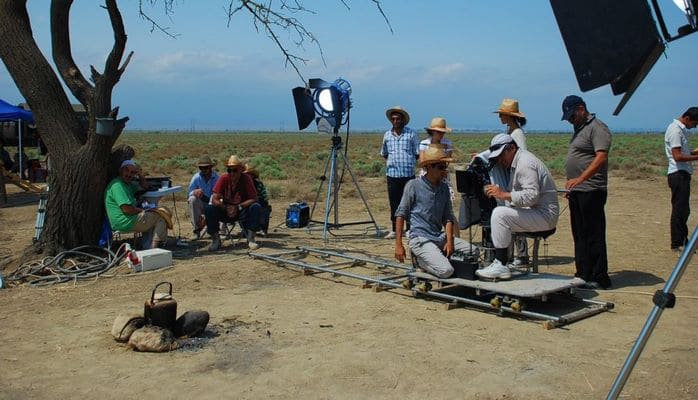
x=153, y=259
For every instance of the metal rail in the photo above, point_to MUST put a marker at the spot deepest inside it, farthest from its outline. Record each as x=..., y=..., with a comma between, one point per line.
x=395, y=281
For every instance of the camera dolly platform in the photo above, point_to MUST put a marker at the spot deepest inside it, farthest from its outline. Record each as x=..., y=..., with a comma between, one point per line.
x=547, y=297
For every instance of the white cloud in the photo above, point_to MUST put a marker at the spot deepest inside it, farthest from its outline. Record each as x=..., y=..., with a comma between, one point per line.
x=442, y=73
x=184, y=66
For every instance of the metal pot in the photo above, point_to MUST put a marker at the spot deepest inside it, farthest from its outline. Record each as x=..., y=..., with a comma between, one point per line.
x=161, y=309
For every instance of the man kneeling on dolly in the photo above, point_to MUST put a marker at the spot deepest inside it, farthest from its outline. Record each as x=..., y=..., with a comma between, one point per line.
x=426, y=202
x=531, y=206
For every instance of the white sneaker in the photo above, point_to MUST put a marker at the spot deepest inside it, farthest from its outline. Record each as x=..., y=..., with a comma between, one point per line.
x=251, y=243
x=390, y=235
x=496, y=270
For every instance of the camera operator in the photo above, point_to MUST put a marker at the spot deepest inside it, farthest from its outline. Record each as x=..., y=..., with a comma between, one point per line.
x=531, y=206
x=426, y=203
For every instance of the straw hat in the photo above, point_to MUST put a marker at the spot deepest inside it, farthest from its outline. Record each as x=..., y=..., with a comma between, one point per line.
x=205, y=161
x=166, y=214
x=510, y=107
x=399, y=110
x=438, y=124
x=251, y=170
x=233, y=161
x=433, y=155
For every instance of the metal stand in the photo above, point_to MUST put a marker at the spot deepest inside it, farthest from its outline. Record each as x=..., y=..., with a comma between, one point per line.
x=662, y=299
x=40, y=216
x=333, y=187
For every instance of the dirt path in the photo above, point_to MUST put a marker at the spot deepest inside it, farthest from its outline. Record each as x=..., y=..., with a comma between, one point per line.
x=284, y=335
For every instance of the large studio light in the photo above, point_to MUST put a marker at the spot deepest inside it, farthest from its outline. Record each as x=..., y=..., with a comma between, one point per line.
x=323, y=99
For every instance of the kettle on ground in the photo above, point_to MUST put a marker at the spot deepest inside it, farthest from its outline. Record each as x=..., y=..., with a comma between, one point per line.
x=161, y=309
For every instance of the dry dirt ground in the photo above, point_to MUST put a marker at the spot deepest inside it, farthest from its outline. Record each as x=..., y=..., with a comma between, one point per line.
x=275, y=333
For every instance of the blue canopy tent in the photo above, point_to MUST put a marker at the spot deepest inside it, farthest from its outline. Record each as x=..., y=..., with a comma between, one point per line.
x=8, y=112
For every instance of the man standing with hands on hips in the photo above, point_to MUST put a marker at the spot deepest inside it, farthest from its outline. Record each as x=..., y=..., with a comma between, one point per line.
x=679, y=173
x=587, y=183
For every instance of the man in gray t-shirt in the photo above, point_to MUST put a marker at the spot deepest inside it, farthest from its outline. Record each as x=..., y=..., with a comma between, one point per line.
x=680, y=155
x=426, y=204
x=587, y=183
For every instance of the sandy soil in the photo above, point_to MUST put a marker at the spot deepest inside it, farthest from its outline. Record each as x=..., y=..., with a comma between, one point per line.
x=276, y=333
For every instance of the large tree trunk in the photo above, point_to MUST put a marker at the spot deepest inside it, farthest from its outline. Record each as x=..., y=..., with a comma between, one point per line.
x=79, y=157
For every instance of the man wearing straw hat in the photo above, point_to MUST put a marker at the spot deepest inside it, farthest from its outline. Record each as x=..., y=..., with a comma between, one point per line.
x=400, y=149
x=426, y=202
x=124, y=214
x=234, y=199
x=200, y=191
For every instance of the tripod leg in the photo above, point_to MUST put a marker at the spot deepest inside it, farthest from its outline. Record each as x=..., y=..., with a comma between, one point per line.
x=361, y=194
x=653, y=318
x=330, y=191
x=319, y=189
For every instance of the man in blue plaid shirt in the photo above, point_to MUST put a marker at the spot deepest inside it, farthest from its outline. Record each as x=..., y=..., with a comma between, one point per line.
x=401, y=150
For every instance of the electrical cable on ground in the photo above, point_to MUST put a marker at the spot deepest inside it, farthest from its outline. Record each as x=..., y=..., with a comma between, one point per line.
x=80, y=263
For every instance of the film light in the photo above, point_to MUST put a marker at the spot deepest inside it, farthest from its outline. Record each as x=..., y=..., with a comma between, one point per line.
x=323, y=100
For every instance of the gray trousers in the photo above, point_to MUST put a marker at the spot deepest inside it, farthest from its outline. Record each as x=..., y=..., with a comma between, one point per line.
x=508, y=220
x=196, y=210
x=432, y=260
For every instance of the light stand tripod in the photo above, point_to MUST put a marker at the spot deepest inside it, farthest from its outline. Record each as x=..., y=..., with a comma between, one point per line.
x=662, y=299
x=333, y=187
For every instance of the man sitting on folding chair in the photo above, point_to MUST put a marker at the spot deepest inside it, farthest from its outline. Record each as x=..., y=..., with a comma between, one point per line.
x=262, y=199
x=234, y=199
x=531, y=206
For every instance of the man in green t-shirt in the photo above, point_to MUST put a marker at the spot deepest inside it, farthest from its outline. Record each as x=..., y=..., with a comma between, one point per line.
x=123, y=211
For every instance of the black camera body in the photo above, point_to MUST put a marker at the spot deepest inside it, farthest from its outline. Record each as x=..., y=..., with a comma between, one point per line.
x=471, y=183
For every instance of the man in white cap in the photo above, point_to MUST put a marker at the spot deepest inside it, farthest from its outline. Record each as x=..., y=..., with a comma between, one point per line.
x=200, y=191
x=123, y=211
x=426, y=202
x=400, y=149
x=234, y=199
x=530, y=206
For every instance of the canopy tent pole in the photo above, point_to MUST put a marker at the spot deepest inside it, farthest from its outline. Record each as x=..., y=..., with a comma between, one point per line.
x=20, y=149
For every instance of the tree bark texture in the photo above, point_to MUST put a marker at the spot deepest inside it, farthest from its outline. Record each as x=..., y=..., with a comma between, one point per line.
x=80, y=158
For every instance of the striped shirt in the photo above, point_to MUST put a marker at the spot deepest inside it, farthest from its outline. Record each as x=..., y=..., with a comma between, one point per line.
x=401, y=152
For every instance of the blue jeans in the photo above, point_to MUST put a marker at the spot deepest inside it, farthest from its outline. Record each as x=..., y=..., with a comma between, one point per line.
x=248, y=218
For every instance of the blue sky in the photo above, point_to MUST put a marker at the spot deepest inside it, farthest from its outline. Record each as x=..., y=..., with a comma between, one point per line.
x=456, y=59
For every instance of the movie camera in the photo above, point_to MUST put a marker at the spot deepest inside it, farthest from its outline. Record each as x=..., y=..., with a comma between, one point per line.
x=471, y=184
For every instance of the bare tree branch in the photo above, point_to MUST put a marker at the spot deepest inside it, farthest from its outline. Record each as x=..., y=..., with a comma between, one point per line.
x=272, y=16
x=62, y=53
x=168, y=6
x=385, y=17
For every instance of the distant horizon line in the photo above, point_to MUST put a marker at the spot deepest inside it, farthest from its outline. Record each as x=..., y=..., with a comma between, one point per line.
x=370, y=131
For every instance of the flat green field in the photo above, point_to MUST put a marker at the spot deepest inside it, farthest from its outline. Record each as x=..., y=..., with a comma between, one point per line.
x=299, y=158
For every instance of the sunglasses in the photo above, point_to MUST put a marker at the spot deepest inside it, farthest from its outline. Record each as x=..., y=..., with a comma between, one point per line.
x=234, y=170
x=205, y=168
x=442, y=167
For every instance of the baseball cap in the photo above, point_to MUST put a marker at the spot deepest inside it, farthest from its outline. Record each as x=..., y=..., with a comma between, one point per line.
x=498, y=144
x=569, y=105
